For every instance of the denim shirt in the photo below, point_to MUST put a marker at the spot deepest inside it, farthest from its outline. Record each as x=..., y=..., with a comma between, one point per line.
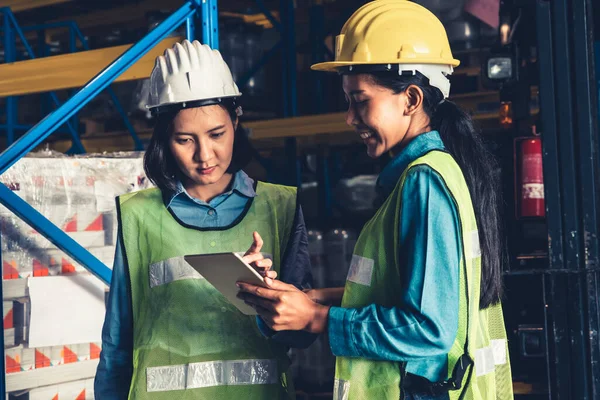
x=422, y=330
x=113, y=377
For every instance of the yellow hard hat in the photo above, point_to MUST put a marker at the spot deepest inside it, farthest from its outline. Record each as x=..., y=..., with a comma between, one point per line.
x=391, y=32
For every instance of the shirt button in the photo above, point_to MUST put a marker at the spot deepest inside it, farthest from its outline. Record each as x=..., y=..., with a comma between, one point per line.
x=211, y=212
x=213, y=243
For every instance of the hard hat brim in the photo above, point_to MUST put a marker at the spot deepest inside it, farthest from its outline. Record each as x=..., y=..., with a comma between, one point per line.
x=180, y=105
x=333, y=66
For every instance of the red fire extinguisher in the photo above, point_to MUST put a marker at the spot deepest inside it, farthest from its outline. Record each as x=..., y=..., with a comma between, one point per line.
x=532, y=179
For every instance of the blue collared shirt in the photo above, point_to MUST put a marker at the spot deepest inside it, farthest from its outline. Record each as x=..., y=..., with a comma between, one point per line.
x=115, y=370
x=421, y=331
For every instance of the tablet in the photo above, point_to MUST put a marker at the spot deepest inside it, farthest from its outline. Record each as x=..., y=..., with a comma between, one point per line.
x=223, y=270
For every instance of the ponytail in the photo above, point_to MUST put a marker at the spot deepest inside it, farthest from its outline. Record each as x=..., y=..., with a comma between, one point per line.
x=479, y=167
x=481, y=172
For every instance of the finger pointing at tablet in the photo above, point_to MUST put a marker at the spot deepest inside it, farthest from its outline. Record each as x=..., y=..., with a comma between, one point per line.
x=255, y=258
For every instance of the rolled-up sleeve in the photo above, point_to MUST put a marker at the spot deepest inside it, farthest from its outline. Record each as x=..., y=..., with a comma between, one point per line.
x=426, y=323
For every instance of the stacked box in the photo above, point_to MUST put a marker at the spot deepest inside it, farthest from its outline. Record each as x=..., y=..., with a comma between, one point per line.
x=58, y=355
x=9, y=323
x=77, y=194
x=76, y=390
x=44, y=393
x=95, y=349
x=19, y=359
x=9, y=337
x=73, y=390
x=8, y=314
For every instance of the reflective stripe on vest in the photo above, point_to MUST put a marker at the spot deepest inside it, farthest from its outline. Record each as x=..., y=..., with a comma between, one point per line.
x=341, y=389
x=171, y=270
x=488, y=357
x=211, y=373
x=176, y=269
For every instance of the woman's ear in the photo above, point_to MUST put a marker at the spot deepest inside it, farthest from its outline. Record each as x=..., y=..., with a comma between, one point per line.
x=414, y=99
x=235, y=124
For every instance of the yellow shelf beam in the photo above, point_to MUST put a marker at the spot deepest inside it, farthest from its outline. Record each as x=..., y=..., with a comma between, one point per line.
x=134, y=15
x=72, y=70
x=310, y=131
x=24, y=5
x=298, y=126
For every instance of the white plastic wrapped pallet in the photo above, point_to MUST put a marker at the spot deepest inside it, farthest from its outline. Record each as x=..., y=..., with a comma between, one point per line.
x=76, y=193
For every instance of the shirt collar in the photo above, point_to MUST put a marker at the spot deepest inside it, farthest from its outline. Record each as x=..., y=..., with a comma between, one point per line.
x=418, y=147
x=242, y=184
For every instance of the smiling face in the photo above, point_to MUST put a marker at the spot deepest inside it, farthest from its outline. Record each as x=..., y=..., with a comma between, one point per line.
x=380, y=116
x=201, y=142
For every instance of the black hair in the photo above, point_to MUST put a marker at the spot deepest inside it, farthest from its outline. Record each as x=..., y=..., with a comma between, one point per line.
x=479, y=167
x=160, y=165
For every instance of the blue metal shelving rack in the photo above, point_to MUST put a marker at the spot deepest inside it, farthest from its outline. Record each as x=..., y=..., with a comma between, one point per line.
x=192, y=12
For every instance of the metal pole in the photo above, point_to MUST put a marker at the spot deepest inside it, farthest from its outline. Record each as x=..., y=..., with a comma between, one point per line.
x=556, y=338
x=254, y=69
x=190, y=28
x=324, y=188
x=214, y=24
x=317, y=23
x=570, y=193
x=49, y=124
x=77, y=146
x=10, y=53
x=289, y=86
x=72, y=127
x=206, y=23
x=210, y=24
x=589, y=172
x=42, y=52
x=137, y=142
x=291, y=55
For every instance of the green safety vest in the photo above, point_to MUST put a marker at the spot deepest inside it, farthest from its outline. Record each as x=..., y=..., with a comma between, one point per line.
x=189, y=341
x=374, y=278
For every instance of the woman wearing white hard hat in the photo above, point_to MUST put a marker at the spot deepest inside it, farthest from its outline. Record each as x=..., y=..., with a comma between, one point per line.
x=168, y=333
x=420, y=314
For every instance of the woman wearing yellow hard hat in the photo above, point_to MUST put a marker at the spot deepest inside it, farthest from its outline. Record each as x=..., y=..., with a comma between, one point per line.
x=420, y=315
x=168, y=333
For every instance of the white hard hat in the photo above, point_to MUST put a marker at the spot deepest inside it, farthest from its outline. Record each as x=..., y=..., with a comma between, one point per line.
x=190, y=75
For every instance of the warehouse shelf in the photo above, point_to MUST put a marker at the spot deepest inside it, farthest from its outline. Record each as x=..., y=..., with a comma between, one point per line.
x=528, y=388
x=24, y=5
x=14, y=288
x=542, y=255
x=51, y=375
x=469, y=71
x=311, y=130
x=73, y=70
x=324, y=129
x=134, y=16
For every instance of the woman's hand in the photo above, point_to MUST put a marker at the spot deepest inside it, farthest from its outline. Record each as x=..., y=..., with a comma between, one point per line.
x=284, y=307
x=255, y=258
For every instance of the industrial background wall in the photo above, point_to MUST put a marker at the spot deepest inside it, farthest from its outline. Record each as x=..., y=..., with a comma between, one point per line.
x=73, y=90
